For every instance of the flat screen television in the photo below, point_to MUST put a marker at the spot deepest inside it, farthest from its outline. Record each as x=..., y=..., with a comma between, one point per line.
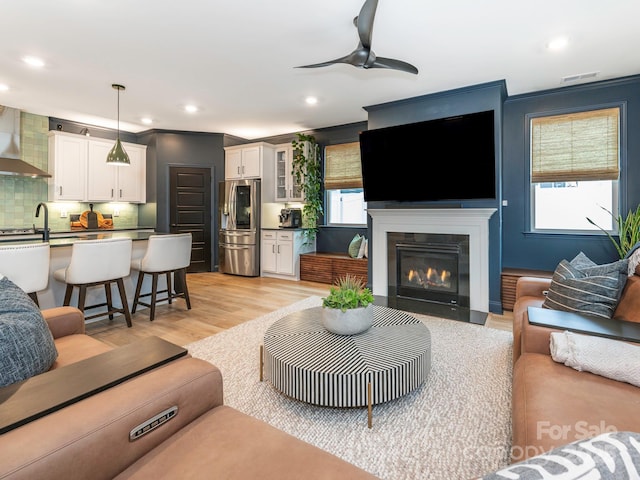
x=445, y=159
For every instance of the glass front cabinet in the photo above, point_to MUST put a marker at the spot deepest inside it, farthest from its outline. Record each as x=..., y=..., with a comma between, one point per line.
x=287, y=190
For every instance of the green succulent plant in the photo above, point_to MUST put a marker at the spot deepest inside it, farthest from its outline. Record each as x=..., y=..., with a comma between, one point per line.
x=348, y=292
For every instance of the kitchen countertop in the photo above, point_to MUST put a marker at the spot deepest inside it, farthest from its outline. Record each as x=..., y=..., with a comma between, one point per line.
x=67, y=238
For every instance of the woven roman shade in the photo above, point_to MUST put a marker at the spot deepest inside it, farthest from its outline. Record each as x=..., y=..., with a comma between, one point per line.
x=575, y=146
x=342, y=166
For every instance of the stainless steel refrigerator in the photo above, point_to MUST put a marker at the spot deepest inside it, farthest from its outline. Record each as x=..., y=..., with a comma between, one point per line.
x=239, y=232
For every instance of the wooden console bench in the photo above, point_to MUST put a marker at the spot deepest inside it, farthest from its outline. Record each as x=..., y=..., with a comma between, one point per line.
x=327, y=267
x=509, y=279
x=38, y=396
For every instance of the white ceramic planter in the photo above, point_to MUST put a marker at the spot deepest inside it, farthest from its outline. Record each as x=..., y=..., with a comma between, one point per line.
x=350, y=322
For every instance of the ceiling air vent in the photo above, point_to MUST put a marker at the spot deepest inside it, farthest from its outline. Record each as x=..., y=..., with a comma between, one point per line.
x=579, y=76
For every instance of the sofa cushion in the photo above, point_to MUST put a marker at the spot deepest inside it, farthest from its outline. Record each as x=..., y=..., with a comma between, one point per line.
x=628, y=308
x=581, y=286
x=553, y=405
x=26, y=342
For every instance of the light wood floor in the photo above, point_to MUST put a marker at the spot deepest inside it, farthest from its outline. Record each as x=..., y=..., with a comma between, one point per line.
x=218, y=302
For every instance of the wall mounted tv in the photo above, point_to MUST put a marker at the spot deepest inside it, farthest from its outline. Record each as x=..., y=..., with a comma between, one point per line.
x=445, y=159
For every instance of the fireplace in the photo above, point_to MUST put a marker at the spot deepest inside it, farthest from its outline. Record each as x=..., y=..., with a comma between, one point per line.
x=428, y=267
x=473, y=277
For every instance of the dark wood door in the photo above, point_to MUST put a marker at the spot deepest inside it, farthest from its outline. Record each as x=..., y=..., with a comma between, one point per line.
x=190, y=211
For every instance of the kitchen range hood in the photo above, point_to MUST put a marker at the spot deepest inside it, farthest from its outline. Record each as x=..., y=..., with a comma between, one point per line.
x=10, y=162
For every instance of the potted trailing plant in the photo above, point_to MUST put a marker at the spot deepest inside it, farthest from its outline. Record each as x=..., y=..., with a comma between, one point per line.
x=628, y=231
x=307, y=173
x=348, y=309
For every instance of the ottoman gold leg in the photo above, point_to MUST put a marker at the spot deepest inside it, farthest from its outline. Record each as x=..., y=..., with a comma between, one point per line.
x=369, y=406
x=261, y=361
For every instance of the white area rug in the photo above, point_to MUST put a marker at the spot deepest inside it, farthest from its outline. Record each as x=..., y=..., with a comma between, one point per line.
x=457, y=425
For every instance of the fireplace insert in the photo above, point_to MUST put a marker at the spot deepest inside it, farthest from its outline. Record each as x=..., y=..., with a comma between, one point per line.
x=429, y=267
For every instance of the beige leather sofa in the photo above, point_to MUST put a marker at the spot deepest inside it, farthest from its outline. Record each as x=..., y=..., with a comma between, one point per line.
x=554, y=404
x=205, y=439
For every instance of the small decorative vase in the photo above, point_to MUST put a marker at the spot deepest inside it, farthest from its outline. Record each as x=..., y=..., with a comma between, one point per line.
x=349, y=322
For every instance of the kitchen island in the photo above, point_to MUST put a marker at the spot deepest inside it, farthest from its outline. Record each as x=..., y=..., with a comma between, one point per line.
x=60, y=255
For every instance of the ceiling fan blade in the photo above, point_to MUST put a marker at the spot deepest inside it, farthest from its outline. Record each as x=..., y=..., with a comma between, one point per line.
x=391, y=63
x=355, y=58
x=323, y=64
x=364, y=22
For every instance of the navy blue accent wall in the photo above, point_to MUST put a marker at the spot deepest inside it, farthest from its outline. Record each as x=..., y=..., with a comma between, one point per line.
x=477, y=98
x=185, y=149
x=522, y=249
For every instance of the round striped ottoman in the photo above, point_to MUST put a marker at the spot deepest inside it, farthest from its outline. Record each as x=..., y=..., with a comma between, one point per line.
x=304, y=361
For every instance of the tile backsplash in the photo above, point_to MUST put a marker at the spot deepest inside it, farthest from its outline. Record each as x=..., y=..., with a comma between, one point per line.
x=19, y=196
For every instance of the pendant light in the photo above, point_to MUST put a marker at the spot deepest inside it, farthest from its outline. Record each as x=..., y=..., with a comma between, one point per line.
x=117, y=155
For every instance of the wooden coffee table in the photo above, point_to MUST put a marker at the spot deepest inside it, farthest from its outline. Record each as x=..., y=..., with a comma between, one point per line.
x=303, y=360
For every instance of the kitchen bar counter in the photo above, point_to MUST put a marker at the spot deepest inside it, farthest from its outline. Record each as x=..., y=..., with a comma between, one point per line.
x=67, y=238
x=60, y=255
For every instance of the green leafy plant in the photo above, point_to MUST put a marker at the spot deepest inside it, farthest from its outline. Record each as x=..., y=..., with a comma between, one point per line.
x=348, y=292
x=628, y=230
x=307, y=171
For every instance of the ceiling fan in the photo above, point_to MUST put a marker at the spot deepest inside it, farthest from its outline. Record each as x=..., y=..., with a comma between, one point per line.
x=363, y=56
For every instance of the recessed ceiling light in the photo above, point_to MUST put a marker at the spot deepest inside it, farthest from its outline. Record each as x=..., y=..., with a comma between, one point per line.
x=311, y=100
x=146, y=121
x=3, y=87
x=33, y=62
x=558, y=43
x=191, y=108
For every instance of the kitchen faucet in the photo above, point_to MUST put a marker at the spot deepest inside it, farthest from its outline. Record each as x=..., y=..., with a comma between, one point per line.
x=45, y=230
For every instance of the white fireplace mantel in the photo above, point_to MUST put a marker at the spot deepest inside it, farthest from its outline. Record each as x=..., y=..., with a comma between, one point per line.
x=473, y=222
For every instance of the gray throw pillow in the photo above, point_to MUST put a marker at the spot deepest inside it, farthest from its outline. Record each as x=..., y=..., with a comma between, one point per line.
x=581, y=286
x=26, y=343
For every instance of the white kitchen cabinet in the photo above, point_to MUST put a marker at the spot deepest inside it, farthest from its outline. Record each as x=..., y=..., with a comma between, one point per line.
x=80, y=172
x=287, y=189
x=247, y=161
x=67, y=166
x=114, y=183
x=280, y=253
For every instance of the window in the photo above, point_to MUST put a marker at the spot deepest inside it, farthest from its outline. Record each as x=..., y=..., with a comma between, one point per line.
x=344, y=201
x=575, y=170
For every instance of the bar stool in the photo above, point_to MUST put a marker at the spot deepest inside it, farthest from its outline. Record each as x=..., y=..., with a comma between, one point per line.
x=165, y=254
x=94, y=263
x=27, y=266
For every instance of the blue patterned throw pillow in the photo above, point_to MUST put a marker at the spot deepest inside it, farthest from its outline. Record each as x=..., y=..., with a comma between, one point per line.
x=26, y=343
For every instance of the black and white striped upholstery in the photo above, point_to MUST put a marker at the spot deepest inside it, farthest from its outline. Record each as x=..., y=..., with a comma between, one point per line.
x=306, y=362
x=612, y=455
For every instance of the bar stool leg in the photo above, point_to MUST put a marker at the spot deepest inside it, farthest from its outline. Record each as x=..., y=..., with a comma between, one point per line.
x=67, y=295
x=82, y=295
x=107, y=292
x=185, y=290
x=169, y=288
x=123, y=299
x=136, y=297
x=34, y=297
x=154, y=294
